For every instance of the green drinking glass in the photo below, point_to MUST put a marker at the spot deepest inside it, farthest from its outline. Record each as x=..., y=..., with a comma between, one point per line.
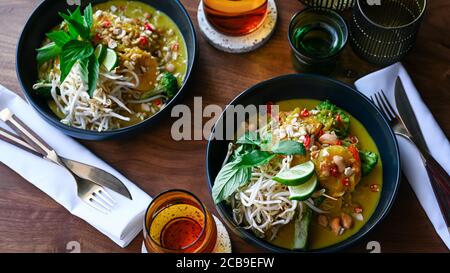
x=316, y=37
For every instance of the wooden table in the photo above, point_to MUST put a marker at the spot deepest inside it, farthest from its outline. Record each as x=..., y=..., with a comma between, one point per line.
x=30, y=221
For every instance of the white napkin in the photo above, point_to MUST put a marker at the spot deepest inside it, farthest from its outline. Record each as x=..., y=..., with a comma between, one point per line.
x=436, y=140
x=124, y=221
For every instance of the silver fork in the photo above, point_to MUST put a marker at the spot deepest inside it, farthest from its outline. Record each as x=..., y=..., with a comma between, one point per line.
x=89, y=192
x=438, y=176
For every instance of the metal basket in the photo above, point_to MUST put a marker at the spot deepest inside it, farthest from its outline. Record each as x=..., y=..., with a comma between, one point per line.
x=331, y=4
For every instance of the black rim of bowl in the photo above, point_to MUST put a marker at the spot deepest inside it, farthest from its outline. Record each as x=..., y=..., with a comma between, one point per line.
x=54, y=121
x=248, y=235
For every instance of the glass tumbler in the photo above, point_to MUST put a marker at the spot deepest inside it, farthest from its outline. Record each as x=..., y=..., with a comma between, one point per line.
x=383, y=32
x=316, y=37
x=176, y=221
x=235, y=17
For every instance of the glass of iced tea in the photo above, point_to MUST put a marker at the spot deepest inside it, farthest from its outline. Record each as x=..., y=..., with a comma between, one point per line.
x=235, y=17
x=176, y=221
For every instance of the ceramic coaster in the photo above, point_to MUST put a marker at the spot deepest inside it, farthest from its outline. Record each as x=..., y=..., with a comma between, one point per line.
x=223, y=244
x=240, y=44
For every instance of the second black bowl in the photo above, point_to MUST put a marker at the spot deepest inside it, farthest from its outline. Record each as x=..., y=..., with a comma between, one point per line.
x=46, y=17
x=305, y=86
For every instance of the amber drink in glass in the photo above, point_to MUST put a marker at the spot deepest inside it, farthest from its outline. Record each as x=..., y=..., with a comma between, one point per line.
x=235, y=17
x=177, y=222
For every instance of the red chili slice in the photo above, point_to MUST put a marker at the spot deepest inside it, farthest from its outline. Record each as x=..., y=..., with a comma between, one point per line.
x=149, y=26
x=345, y=182
x=106, y=23
x=334, y=171
x=307, y=141
x=354, y=151
x=143, y=41
x=304, y=112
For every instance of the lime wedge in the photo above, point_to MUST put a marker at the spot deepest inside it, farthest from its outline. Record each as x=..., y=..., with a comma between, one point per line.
x=100, y=52
x=296, y=175
x=111, y=59
x=303, y=191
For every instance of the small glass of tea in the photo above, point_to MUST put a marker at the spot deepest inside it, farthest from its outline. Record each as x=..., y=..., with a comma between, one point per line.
x=176, y=221
x=316, y=37
x=235, y=17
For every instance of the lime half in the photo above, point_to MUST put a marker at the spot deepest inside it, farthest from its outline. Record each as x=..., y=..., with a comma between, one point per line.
x=303, y=191
x=296, y=175
x=111, y=59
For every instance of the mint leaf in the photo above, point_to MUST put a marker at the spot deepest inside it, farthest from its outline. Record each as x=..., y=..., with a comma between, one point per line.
x=47, y=52
x=228, y=180
x=73, y=51
x=255, y=158
x=88, y=18
x=289, y=147
x=93, y=69
x=59, y=37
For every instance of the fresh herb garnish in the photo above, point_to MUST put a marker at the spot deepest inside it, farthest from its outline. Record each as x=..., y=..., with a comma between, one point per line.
x=255, y=158
x=250, y=153
x=289, y=147
x=229, y=179
x=73, y=45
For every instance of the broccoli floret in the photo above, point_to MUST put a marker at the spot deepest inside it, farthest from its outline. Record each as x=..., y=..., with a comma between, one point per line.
x=167, y=85
x=326, y=105
x=333, y=118
x=368, y=161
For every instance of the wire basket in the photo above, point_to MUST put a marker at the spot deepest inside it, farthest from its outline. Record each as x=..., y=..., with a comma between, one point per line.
x=331, y=4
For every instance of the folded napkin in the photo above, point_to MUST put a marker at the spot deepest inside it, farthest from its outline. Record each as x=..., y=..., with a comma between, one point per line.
x=124, y=221
x=436, y=140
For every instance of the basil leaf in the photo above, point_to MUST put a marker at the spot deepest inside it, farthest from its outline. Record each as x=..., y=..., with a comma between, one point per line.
x=72, y=52
x=289, y=147
x=84, y=70
x=88, y=18
x=89, y=68
x=47, y=52
x=255, y=158
x=228, y=180
x=249, y=138
x=266, y=142
x=75, y=16
x=77, y=24
x=93, y=69
x=78, y=28
x=59, y=37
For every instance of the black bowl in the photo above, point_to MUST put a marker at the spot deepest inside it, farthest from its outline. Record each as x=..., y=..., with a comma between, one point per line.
x=306, y=86
x=45, y=17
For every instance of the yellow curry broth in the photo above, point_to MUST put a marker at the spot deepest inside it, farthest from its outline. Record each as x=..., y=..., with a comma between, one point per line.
x=320, y=237
x=134, y=10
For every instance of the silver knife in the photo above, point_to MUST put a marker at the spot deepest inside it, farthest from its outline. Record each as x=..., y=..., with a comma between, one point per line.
x=406, y=112
x=85, y=171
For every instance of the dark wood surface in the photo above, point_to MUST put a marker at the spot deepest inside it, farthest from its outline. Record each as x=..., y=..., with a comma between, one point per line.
x=30, y=221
